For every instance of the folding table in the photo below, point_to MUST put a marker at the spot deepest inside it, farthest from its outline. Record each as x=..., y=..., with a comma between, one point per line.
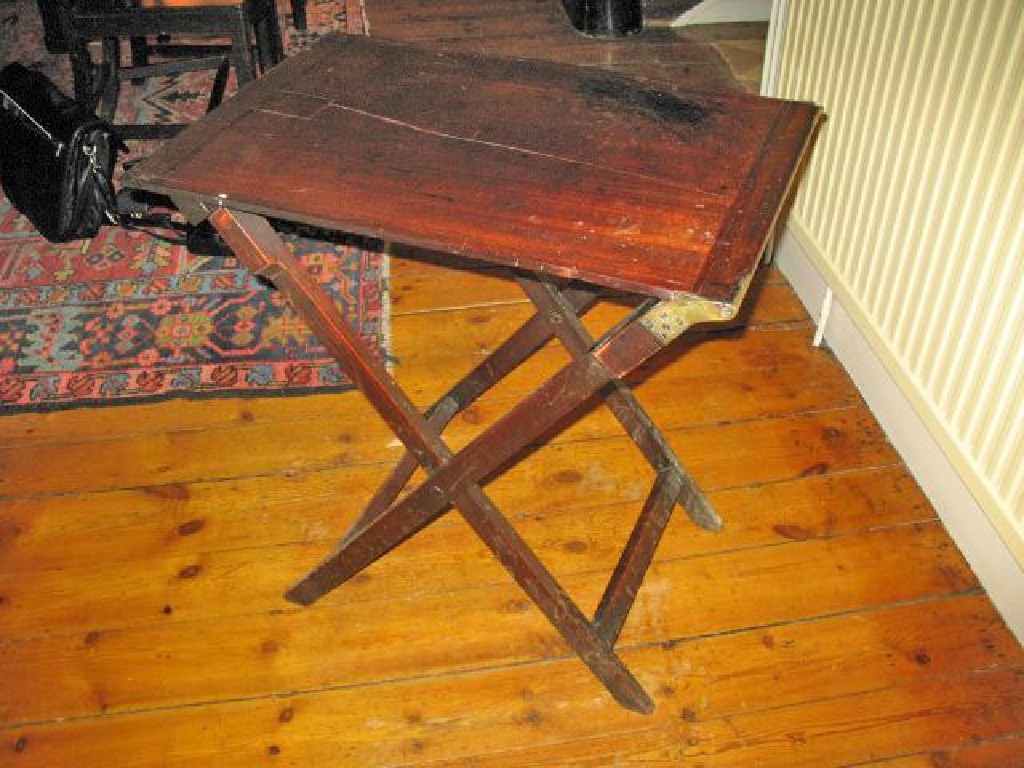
x=579, y=180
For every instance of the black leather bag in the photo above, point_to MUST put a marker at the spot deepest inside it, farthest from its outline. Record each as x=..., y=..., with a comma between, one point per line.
x=56, y=157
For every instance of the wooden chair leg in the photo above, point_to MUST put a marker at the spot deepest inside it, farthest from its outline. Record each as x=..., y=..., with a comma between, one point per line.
x=241, y=53
x=268, y=33
x=83, y=72
x=274, y=47
x=110, y=82
x=220, y=84
x=140, y=55
x=53, y=32
x=299, y=14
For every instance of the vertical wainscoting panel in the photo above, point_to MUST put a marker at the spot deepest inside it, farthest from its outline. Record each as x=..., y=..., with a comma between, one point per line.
x=913, y=209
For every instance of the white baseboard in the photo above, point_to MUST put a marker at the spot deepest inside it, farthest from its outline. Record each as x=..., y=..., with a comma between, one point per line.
x=725, y=11
x=993, y=562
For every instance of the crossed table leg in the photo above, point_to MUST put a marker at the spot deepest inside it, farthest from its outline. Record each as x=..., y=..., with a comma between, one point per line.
x=595, y=370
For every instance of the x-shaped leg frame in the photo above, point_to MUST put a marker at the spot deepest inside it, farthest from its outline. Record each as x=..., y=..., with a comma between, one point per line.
x=596, y=370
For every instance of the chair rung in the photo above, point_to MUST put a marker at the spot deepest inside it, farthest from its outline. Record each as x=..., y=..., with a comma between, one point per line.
x=170, y=68
x=148, y=130
x=191, y=50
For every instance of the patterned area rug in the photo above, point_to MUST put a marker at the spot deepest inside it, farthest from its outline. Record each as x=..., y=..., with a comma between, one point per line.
x=124, y=317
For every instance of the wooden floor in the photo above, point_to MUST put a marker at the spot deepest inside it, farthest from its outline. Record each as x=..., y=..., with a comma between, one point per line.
x=144, y=552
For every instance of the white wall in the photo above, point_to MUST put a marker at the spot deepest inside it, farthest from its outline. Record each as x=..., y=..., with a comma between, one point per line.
x=911, y=216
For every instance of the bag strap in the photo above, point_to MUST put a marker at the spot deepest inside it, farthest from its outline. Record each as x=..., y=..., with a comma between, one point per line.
x=150, y=222
x=139, y=222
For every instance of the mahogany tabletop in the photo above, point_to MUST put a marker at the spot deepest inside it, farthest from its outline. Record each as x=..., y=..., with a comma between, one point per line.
x=553, y=168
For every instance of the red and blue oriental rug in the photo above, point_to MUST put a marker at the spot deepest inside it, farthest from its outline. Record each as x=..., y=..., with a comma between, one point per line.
x=125, y=317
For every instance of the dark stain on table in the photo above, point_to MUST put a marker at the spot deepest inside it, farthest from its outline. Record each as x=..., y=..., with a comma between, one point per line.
x=665, y=106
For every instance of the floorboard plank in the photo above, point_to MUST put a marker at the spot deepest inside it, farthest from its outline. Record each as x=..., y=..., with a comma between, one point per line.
x=532, y=723
x=447, y=573
x=260, y=655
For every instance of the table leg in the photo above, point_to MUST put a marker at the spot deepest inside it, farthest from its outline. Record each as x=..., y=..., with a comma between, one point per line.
x=299, y=14
x=565, y=323
x=254, y=241
x=558, y=315
x=457, y=481
x=550, y=404
x=636, y=557
x=532, y=335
